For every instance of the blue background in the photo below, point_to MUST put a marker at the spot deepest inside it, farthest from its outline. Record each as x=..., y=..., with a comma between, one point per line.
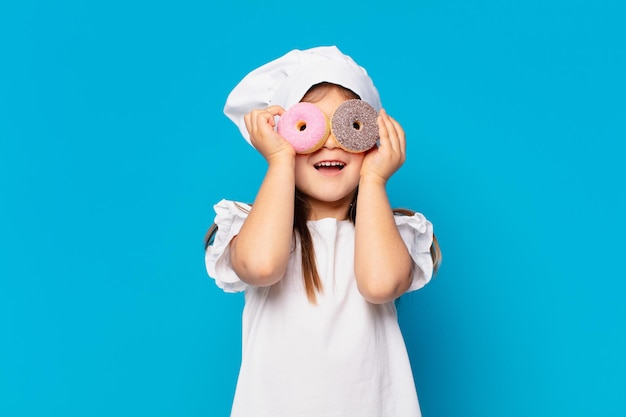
x=114, y=149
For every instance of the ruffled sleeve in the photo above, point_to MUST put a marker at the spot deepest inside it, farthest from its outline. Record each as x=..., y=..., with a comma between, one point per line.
x=229, y=218
x=417, y=233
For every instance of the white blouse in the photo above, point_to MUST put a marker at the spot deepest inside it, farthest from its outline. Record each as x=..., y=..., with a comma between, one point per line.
x=340, y=357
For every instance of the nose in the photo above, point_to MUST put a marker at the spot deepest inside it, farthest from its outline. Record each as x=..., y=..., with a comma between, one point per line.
x=331, y=141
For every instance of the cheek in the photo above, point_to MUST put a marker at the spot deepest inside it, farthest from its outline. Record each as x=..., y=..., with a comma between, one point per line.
x=300, y=167
x=357, y=160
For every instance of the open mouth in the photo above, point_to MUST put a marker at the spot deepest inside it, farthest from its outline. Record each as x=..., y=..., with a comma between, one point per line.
x=329, y=166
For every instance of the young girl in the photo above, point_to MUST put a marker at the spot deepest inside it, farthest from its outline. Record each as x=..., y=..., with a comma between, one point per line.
x=320, y=331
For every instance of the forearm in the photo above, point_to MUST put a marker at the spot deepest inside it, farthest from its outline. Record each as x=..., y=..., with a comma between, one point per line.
x=382, y=262
x=260, y=252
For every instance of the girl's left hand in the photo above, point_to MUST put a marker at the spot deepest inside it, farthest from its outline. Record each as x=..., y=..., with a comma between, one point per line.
x=389, y=156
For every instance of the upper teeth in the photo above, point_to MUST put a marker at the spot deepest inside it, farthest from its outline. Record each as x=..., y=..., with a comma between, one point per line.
x=329, y=164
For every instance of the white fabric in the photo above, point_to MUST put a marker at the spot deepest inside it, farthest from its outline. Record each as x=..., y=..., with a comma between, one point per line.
x=285, y=80
x=340, y=357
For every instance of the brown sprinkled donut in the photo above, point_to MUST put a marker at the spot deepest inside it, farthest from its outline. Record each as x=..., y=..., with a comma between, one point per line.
x=354, y=125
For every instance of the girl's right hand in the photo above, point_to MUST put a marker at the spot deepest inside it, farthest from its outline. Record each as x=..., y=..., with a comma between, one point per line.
x=260, y=124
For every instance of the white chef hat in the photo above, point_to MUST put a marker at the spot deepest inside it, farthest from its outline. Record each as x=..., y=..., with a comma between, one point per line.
x=285, y=80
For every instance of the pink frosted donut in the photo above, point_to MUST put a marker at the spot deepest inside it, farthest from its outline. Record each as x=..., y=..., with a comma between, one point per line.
x=354, y=125
x=304, y=126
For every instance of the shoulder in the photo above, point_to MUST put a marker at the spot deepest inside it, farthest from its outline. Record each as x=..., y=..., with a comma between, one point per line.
x=229, y=217
x=229, y=211
x=413, y=219
x=231, y=206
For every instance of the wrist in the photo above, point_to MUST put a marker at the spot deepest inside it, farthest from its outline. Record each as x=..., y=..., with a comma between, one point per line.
x=281, y=161
x=371, y=179
x=285, y=157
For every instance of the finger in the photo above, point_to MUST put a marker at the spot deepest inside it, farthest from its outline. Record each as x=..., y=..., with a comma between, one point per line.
x=256, y=119
x=248, y=121
x=400, y=133
x=383, y=132
x=392, y=134
x=275, y=110
x=263, y=119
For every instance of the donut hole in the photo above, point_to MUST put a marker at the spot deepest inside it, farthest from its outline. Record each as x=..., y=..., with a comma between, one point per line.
x=301, y=125
x=357, y=125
